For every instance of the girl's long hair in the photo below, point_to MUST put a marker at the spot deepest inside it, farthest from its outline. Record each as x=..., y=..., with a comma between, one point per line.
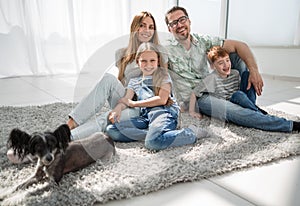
x=161, y=74
x=134, y=43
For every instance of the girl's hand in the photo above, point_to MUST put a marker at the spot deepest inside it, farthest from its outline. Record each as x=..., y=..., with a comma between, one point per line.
x=196, y=115
x=114, y=115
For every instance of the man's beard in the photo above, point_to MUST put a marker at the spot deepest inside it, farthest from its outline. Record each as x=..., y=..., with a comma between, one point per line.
x=182, y=37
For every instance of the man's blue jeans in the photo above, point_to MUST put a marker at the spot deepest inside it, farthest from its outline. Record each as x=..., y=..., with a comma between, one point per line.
x=228, y=111
x=157, y=127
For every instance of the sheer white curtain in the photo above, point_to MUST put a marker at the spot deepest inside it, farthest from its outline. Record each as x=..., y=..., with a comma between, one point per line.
x=41, y=37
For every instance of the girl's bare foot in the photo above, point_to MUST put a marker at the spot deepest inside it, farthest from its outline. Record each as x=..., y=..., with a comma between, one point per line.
x=71, y=123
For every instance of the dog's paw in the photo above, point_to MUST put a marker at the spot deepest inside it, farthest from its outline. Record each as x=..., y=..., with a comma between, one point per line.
x=22, y=186
x=27, y=183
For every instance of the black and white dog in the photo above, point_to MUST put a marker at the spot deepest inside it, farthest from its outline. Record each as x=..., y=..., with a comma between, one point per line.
x=56, y=155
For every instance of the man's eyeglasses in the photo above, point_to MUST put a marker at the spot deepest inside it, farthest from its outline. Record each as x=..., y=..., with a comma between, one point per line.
x=181, y=20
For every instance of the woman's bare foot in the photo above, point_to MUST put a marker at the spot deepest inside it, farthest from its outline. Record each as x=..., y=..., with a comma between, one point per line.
x=71, y=123
x=15, y=159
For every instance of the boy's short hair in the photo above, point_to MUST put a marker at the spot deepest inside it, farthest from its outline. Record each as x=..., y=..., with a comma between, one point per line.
x=215, y=52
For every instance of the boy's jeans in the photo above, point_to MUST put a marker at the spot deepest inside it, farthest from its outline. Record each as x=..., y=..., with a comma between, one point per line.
x=243, y=97
x=228, y=111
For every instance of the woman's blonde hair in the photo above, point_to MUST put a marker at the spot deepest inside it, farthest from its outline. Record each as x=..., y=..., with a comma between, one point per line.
x=134, y=43
x=160, y=73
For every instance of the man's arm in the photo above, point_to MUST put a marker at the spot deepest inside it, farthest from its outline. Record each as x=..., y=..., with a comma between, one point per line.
x=246, y=55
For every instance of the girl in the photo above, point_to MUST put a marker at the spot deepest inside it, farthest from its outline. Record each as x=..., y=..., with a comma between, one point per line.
x=111, y=89
x=158, y=108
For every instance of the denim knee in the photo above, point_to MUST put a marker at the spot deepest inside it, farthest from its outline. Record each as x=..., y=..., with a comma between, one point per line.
x=236, y=96
x=116, y=135
x=154, y=144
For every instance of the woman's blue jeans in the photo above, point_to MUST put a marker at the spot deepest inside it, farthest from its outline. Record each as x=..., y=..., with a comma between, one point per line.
x=157, y=126
x=108, y=89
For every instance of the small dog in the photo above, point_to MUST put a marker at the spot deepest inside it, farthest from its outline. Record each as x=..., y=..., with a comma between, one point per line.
x=56, y=155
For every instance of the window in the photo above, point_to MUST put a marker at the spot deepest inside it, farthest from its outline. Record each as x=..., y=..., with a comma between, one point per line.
x=259, y=23
x=265, y=23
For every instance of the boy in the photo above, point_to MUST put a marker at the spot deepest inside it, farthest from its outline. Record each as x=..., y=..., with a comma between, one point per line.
x=223, y=83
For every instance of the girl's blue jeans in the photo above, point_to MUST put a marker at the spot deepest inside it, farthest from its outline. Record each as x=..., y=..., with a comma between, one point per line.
x=156, y=126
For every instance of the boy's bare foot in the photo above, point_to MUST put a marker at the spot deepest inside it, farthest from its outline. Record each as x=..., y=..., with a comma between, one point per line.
x=71, y=123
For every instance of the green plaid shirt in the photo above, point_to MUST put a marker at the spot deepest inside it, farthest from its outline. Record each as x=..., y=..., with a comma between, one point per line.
x=188, y=68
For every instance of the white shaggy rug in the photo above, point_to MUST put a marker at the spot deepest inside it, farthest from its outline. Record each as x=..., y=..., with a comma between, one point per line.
x=135, y=170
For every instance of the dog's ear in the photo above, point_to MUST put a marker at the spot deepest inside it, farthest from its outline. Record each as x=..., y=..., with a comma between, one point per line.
x=63, y=136
x=19, y=141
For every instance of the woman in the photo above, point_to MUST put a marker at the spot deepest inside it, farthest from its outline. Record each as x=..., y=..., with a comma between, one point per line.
x=110, y=88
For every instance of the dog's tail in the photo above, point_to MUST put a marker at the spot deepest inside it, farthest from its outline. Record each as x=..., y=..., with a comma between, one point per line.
x=18, y=141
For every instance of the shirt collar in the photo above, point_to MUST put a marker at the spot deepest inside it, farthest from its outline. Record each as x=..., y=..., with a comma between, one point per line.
x=194, y=39
x=174, y=42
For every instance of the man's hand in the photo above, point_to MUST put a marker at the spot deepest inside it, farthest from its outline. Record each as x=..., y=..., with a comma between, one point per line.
x=256, y=80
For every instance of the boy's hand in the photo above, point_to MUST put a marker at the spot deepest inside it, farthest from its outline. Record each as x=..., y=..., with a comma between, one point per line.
x=195, y=115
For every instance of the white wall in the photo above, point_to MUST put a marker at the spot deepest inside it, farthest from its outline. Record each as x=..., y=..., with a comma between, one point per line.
x=272, y=33
x=278, y=61
x=270, y=27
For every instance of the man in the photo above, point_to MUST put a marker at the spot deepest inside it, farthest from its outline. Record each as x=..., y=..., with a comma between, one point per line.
x=188, y=65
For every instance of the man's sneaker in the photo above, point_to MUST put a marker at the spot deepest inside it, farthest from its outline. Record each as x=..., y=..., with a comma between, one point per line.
x=200, y=132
